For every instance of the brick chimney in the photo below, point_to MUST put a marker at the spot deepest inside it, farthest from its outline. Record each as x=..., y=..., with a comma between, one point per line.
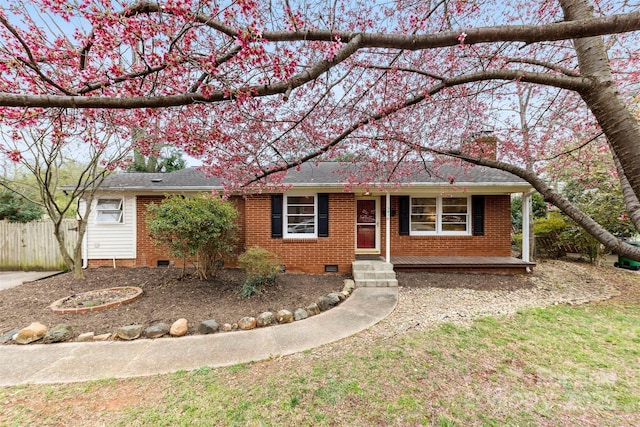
x=481, y=144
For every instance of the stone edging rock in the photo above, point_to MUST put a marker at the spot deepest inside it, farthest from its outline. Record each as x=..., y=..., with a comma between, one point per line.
x=39, y=333
x=57, y=308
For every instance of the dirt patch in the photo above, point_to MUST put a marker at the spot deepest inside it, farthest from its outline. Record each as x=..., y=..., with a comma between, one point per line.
x=166, y=297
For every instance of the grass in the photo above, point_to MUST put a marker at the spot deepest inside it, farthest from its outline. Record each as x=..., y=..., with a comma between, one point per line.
x=555, y=366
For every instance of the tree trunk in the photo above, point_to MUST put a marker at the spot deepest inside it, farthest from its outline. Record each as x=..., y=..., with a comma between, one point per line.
x=57, y=232
x=603, y=236
x=603, y=98
x=78, y=270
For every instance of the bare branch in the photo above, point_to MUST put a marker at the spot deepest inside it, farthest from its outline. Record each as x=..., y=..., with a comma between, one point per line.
x=549, y=65
x=598, y=26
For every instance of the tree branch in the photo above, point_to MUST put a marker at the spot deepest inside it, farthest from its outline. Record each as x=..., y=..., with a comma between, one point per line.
x=549, y=65
x=572, y=82
x=612, y=24
x=12, y=100
x=31, y=63
x=596, y=230
x=630, y=198
x=145, y=7
x=564, y=153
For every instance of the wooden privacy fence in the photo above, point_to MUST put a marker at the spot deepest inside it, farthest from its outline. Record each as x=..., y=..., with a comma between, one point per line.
x=33, y=246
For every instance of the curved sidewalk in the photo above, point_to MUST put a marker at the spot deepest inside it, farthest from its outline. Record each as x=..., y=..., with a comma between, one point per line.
x=73, y=362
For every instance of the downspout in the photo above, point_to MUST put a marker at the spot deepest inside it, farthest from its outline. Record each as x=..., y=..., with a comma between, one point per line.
x=85, y=240
x=387, y=223
x=85, y=250
x=526, y=236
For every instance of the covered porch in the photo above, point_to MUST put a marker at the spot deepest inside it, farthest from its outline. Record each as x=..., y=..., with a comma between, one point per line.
x=484, y=264
x=374, y=268
x=376, y=271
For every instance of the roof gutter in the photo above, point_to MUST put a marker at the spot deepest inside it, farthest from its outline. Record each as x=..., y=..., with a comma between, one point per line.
x=510, y=186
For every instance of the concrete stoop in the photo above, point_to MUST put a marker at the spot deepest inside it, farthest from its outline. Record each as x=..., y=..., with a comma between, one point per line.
x=374, y=274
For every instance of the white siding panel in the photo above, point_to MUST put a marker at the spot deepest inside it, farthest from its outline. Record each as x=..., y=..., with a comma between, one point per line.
x=113, y=240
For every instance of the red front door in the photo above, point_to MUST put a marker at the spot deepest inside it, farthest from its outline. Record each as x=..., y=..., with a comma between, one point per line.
x=366, y=221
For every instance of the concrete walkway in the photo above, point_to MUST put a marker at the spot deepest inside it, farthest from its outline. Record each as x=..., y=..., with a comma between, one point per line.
x=72, y=362
x=11, y=279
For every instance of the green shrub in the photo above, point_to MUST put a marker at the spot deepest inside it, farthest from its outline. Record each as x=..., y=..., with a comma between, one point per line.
x=262, y=268
x=554, y=223
x=202, y=226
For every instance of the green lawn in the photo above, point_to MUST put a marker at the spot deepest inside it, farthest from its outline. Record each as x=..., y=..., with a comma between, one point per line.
x=555, y=366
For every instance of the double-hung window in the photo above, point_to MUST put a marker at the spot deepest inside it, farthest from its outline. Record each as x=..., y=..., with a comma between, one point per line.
x=439, y=215
x=109, y=211
x=300, y=219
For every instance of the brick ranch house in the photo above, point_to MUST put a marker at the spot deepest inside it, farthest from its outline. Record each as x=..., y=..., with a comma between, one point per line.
x=317, y=226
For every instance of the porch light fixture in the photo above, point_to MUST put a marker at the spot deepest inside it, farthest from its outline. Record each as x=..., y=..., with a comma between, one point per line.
x=366, y=193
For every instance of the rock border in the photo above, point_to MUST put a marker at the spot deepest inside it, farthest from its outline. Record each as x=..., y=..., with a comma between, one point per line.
x=55, y=306
x=131, y=332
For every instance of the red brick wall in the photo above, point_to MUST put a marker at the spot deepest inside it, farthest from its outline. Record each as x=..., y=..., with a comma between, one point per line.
x=93, y=263
x=311, y=255
x=306, y=255
x=148, y=254
x=495, y=242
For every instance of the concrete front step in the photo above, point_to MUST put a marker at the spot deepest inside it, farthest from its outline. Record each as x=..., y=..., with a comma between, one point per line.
x=372, y=283
x=374, y=274
x=371, y=266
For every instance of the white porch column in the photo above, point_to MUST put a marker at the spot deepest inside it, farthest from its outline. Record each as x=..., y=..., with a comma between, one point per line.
x=526, y=212
x=387, y=223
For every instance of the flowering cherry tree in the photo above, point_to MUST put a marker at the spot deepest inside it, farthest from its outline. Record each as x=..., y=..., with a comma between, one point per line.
x=45, y=146
x=255, y=88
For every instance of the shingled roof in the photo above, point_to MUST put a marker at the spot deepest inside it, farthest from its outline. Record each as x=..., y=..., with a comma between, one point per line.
x=323, y=174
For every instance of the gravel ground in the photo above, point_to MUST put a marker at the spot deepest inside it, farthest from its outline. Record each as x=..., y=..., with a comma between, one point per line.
x=460, y=299
x=553, y=282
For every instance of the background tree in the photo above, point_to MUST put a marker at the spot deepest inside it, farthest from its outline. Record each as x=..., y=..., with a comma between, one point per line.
x=156, y=157
x=17, y=209
x=165, y=161
x=539, y=210
x=23, y=182
x=596, y=191
x=255, y=88
x=202, y=227
x=605, y=204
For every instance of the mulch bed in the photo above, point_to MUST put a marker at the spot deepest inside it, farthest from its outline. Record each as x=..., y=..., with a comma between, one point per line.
x=166, y=298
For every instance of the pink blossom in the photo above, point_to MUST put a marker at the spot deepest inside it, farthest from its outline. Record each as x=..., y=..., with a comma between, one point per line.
x=461, y=38
x=334, y=48
x=14, y=155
